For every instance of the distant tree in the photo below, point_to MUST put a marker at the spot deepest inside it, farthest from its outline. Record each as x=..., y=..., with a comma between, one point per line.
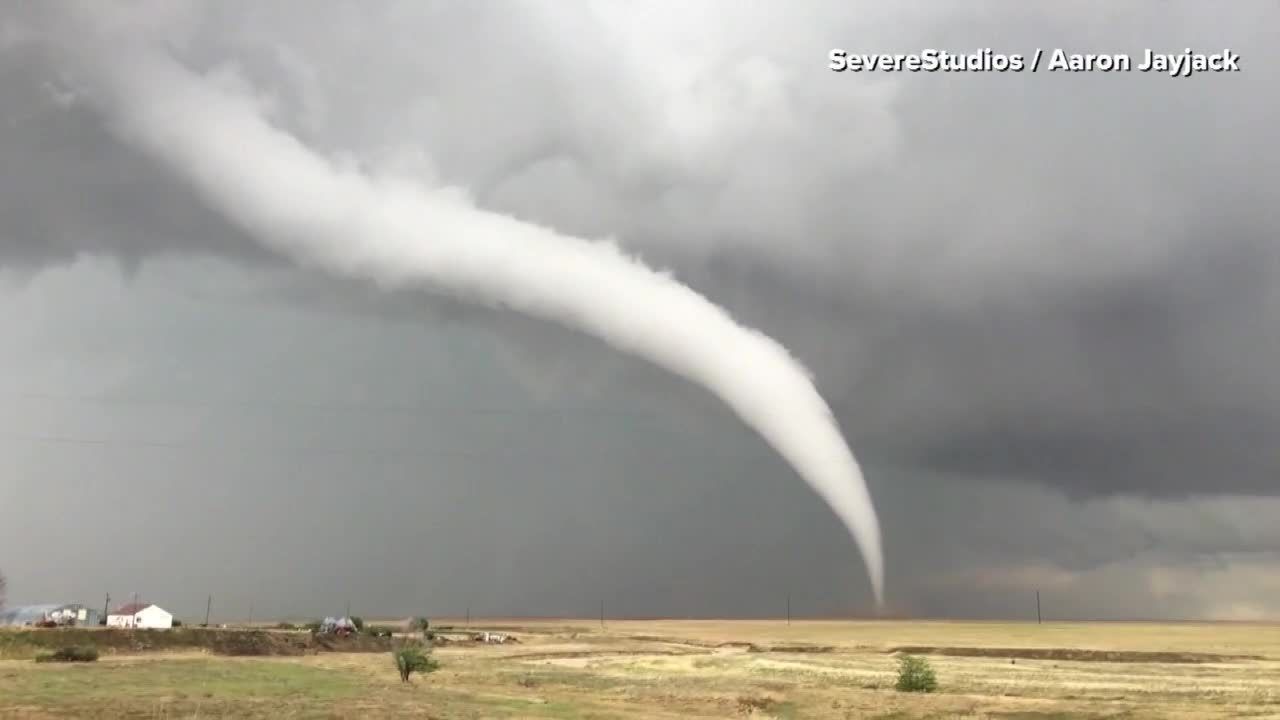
x=915, y=675
x=411, y=659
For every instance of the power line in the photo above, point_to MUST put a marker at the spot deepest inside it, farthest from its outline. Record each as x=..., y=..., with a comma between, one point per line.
x=369, y=408
x=572, y=453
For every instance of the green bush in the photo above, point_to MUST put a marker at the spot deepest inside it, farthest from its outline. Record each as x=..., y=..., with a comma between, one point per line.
x=359, y=623
x=75, y=653
x=411, y=659
x=915, y=675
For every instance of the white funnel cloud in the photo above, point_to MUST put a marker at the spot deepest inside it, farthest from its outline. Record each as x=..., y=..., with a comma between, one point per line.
x=398, y=232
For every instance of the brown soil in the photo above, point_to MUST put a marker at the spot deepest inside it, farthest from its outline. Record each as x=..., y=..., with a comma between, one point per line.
x=572, y=654
x=218, y=641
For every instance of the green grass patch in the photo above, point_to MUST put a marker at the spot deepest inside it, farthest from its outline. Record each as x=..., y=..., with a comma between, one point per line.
x=180, y=686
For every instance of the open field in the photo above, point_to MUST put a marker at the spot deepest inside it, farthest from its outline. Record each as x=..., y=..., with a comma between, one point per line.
x=699, y=669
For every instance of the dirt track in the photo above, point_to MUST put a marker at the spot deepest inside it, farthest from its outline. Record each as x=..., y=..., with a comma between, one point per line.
x=1073, y=654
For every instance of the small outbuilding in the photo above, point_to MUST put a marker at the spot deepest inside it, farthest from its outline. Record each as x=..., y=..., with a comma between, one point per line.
x=74, y=614
x=141, y=616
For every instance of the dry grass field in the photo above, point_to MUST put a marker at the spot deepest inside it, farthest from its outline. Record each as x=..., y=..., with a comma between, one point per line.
x=700, y=669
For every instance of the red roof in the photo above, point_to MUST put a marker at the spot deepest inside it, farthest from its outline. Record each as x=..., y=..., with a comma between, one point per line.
x=130, y=609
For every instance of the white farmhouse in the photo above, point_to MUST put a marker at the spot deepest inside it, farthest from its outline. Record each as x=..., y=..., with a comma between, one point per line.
x=141, y=616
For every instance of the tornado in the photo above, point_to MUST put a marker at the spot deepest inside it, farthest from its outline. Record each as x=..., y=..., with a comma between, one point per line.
x=399, y=232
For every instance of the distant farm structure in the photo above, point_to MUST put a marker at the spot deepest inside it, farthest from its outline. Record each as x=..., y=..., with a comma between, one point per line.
x=342, y=626
x=49, y=615
x=140, y=616
x=455, y=635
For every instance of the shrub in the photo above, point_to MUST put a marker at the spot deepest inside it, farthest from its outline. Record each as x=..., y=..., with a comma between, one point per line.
x=410, y=660
x=75, y=653
x=177, y=623
x=751, y=704
x=359, y=623
x=915, y=675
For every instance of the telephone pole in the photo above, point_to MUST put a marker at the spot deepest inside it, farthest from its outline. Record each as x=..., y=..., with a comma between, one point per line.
x=1038, y=607
x=208, y=606
x=106, y=607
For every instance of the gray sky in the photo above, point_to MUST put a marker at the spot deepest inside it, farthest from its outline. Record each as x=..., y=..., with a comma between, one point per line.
x=1044, y=307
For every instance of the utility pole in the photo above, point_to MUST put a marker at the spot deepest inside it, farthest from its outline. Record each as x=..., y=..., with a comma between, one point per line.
x=348, y=609
x=1038, y=607
x=788, y=608
x=106, y=607
x=208, y=606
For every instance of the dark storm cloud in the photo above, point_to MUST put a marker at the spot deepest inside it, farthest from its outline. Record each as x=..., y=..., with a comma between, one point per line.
x=406, y=461
x=68, y=187
x=1024, y=295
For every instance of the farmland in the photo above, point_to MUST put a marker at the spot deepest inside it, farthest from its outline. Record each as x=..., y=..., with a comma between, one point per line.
x=686, y=668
